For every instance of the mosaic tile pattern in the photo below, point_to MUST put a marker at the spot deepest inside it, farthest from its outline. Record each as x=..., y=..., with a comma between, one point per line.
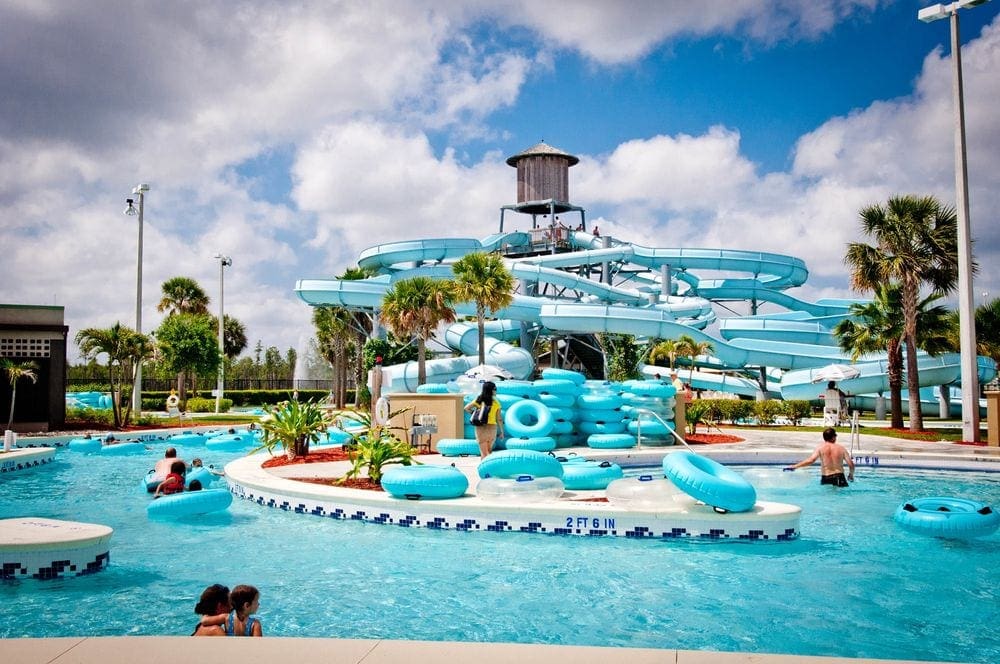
x=435, y=516
x=30, y=567
x=16, y=465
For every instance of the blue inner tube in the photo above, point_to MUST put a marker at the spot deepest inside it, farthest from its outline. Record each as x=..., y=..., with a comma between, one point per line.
x=602, y=427
x=122, y=449
x=590, y=475
x=709, y=481
x=611, y=441
x=231, y=442
x=528, y=419
x=189, y=503
x=514, y=463
x=651, y=428
x=538, y=443
x=424, y=481
x=599, y=401
x=564, y=374
x=602, y=415
x=556, y=386
x=948, y=517
x=651, y=388
x=432, y=388
x=188, y=438
x=457, y=447
x=85, y=445
x=557, y=400
x=518, y=388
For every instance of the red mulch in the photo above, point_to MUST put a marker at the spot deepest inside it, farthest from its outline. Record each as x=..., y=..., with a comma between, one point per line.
x=712, y=438
x=352, y=483
x=324, y=456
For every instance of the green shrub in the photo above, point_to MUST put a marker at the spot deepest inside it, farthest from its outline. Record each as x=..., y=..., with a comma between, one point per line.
x=735, y=411
x=199, y=405
x=797, y=409
x=767, y=411
x=696, y=413
x=99, y=417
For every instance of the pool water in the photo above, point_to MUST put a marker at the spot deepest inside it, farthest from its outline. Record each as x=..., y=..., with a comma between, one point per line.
x=854, y=584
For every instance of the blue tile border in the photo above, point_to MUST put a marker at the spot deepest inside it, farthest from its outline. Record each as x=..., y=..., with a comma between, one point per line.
x=569, y=518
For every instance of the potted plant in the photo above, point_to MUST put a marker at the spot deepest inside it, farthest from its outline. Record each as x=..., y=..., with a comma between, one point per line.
x=376, y=446
x=293, y=425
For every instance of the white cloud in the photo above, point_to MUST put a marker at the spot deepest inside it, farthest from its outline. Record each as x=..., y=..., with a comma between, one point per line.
x=99, y=96
x=613, y=32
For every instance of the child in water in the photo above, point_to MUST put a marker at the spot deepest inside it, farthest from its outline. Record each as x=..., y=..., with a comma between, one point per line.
x=245, y=601
x=174, y=482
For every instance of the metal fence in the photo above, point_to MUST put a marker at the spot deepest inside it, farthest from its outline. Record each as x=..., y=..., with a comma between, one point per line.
x=166, y=384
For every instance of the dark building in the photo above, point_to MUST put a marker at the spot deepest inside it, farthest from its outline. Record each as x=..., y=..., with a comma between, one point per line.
x=36, y=334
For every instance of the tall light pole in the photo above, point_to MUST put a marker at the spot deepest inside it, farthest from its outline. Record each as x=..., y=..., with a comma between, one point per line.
x=224, y=262
x=969, y=366
x=140, y=190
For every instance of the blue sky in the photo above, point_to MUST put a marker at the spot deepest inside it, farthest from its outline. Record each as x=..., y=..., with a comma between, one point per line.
x=292, y=137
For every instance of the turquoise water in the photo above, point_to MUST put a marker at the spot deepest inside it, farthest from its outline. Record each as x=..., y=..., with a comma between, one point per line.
x=854, y=585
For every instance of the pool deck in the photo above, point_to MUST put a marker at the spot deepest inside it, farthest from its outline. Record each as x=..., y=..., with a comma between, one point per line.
x=180, y=650
x=760, y=444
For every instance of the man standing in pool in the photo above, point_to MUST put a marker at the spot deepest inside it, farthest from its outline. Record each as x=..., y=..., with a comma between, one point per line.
x=833, y=456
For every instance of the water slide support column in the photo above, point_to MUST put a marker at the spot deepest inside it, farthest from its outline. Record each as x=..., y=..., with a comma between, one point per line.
x=529, y=288
x=666, y=286
x=606, y=266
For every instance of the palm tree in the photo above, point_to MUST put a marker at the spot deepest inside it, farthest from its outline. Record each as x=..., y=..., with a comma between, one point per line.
x=688, y=347
x=293, y=425
x=668, y=348
x=415, y=307
x=125, y=348
x=15, y=372
x=182, y=295
x=484, y=279
x=234, y=336
x=987, y=329
x=878, y=326
x=915, y=244
x=333, y=332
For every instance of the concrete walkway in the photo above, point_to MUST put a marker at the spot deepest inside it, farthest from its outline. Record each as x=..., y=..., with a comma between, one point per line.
x=181, y=650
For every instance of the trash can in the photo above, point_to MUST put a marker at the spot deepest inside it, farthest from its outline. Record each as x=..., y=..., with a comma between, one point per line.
x=993, y=419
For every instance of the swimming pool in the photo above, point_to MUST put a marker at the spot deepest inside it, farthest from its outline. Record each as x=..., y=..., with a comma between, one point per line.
x=854, y=585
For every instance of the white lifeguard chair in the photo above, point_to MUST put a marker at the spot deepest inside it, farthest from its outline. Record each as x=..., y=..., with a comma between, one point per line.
x=832, y=408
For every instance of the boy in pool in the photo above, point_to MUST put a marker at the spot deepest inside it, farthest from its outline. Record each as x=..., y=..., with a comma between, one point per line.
x=833, y=456
x=197, y=463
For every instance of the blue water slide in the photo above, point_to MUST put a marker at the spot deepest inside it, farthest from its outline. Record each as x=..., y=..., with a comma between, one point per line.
x=463, y=337
x=705, y=380
x=654, y=323
x=797, y=339
x=943, y=369
x=753, y=289
x=803, y=332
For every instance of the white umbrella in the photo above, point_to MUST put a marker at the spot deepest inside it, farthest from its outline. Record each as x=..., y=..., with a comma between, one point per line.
x=472, y=380
x=835, y=372
x=486, y=372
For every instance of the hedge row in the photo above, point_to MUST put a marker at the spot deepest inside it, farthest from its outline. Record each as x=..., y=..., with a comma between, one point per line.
x=158, y=400
x=739, y=411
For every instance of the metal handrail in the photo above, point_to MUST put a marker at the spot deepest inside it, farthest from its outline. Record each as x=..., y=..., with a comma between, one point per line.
x=638, y=425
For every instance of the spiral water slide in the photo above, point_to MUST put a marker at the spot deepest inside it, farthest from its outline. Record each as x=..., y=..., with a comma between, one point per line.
x=797, y=339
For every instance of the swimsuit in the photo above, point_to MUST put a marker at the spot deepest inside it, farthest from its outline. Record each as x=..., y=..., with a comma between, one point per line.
x=247, y=628
x=837, y=479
